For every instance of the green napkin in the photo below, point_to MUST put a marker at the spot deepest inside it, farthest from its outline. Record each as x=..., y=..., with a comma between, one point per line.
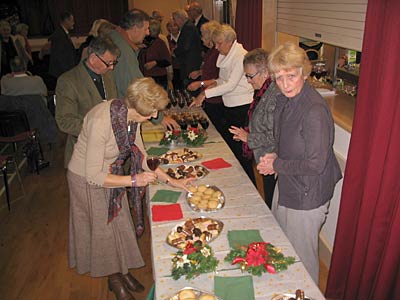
x=243, y=237
x=157, y=151
x=234, y=288
x=166, y=196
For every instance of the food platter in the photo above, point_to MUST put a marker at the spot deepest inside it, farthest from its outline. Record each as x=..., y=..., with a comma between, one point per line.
x=205, y=198
x=179, y=156
x=187, y=171
x=196, y=230
x=189, y=293
x=287, y=297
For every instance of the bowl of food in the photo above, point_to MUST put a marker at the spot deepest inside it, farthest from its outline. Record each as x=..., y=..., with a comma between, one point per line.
x=205, y=198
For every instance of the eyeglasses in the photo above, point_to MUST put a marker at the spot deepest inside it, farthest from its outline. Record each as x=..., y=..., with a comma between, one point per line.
x=251, y=76
x=107, y=64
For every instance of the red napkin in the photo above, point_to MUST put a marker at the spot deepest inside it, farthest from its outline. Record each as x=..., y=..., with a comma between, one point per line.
x=217, y=163
x=166, y=212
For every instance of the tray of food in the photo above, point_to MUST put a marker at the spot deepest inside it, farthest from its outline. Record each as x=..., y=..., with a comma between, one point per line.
x=187, y=171
x=179, y=156
x=189, y=293
x=205, y=198
x=290, y=297
x=198, y=230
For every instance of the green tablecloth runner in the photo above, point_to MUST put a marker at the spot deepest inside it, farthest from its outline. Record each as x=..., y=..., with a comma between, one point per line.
x=157, y=151
x=239, y=238
x=234, y=288
x=166, y=196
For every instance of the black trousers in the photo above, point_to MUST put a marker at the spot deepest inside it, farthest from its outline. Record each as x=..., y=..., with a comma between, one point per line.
x=269, y=187
x=215, y=112
x=236, y=116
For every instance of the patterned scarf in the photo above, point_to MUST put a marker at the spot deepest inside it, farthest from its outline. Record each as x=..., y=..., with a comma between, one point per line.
x=247, y=152
x=127, y=150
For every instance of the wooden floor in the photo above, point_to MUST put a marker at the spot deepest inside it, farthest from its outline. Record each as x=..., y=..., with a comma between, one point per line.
x=33, y=243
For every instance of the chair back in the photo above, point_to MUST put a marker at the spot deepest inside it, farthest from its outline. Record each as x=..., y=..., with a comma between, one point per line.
x=13, y=123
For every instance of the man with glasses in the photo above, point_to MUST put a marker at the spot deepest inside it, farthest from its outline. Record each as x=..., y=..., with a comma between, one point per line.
x=83, y=87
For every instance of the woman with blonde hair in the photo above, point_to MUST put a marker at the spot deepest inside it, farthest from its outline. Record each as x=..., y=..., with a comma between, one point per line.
x=232, y=85
x=108, y=158
x=304, y=158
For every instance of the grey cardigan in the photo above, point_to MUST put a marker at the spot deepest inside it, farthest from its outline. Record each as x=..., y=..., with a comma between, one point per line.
x=261, y=136
x=306, y=164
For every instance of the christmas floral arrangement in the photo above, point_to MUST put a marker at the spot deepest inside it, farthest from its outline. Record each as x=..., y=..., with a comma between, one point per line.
x=193, y=260
x=192, y=137
x=259, y=257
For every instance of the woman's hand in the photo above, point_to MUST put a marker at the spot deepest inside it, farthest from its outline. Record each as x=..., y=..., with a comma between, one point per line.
x=266, y=165
x=195, y=85
x=239, y=134
x=150, y=65
x=198, y=100
x=182, y=183
x=194, y=74
x=168, y=123
x=143, y=179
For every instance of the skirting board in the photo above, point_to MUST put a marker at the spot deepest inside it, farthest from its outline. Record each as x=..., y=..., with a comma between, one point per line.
x=325, y=251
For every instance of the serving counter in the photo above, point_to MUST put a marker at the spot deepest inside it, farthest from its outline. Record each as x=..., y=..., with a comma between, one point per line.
x=244, y=209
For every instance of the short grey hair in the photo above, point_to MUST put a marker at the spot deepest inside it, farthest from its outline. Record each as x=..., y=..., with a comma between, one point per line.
x=225, y=33
x=135, y=17
x=181, y=14
x=17, y=65
x=258, y=58
x=99, y=45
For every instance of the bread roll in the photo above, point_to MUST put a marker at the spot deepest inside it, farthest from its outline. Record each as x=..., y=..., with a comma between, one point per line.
x=187, y=295
x=207, y=297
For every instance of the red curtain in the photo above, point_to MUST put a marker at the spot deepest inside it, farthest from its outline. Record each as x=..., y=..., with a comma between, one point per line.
x=248, y=23
x=366, y=256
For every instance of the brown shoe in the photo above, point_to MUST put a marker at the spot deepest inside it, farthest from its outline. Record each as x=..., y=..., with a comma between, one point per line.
x=132, y=284
x=116, y=284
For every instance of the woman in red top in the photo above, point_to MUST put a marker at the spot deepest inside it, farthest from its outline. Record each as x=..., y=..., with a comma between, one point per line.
x=214, y=106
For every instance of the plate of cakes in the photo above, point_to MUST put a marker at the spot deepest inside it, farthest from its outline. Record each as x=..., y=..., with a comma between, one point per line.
x=189, y=293
x=205, y=198
x=179, y=156
x=187, y=171
x=200, y=231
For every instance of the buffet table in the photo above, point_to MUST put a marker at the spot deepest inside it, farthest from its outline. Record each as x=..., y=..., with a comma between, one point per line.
x=244, y=209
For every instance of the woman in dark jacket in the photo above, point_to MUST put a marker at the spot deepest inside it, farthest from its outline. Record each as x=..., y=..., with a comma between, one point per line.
x=304, y=159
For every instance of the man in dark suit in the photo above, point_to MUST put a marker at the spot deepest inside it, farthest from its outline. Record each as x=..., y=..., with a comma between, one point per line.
x=188, y=49
x=63, y=55
x=195, y=12
x=84, y=86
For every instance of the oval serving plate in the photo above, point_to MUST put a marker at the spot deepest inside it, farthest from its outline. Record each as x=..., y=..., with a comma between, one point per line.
x=288, y=296
x=180, y=156
x=187, y=171
x=205, y=198
x=198, y=294
x=197, y=229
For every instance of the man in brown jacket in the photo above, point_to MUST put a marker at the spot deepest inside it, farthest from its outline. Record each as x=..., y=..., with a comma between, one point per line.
x=83, y=87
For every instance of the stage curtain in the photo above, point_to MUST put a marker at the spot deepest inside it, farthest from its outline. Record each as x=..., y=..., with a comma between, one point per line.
x=248, y=23
x=366, y=257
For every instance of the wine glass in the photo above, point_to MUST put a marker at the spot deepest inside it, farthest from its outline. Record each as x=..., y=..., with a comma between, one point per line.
x=153, y=162
x=204, y=123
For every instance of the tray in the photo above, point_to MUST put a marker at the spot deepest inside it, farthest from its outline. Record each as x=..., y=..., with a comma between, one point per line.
x=207, y=230
x=205, y=198
x=198, y=295
x=187, y=171
x=179, y=156
x=288, y=296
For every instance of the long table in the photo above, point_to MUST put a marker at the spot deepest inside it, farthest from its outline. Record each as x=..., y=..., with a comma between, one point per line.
x=244, y=209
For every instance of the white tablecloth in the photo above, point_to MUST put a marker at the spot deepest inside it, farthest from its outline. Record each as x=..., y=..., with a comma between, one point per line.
x=244, y=209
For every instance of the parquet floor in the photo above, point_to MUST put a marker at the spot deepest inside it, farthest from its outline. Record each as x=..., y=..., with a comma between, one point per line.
x=33, y=243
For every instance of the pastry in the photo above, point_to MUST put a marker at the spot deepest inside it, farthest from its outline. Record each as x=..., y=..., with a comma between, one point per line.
x=207, y=297
x=187, y=295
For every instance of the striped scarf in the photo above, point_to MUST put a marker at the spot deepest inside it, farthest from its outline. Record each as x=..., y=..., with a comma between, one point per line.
x=127, y=150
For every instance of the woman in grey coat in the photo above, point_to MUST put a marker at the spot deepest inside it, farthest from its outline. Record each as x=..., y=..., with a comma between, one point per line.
x=257, y=136
x=304, y=159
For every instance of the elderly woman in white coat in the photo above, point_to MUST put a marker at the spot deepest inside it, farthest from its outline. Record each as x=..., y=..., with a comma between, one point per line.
x=236, y=92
